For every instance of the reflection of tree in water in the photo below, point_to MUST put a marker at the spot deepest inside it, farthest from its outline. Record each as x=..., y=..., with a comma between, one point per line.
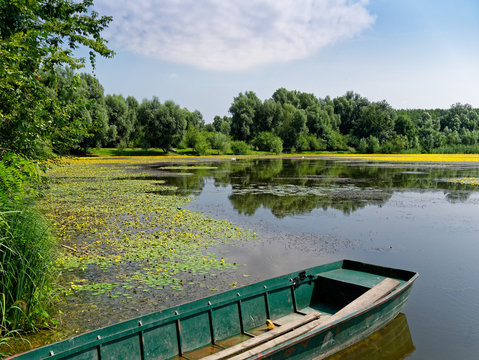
x=298, y=186
x=458, y=196
x=282, y=206
x=187, y=184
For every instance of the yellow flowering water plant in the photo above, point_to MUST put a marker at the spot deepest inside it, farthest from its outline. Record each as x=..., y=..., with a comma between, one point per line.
x=115, y=226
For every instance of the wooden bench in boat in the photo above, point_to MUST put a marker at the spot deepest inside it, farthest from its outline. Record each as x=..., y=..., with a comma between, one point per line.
x=303, y=325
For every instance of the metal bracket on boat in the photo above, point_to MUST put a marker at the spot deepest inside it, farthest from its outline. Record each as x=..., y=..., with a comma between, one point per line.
x=302, y=276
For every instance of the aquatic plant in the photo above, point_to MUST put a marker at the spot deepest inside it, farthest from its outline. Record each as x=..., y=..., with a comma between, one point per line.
x=115, y=226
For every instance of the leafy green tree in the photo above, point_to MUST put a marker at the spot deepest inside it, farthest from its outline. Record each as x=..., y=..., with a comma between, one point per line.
x=195, y=118
x=376, y=120
x=429, y=133
x=98, y=112
x=133, y=107
x=244, y=111
x=119, y=117
x=460, y=116
x=84, y=122
x=293, y=125
x=222, y=124
x=267, y=141
x=348, y=107
x=161, y=123
x=406, y=127
x=36, y=35
x=268, y=118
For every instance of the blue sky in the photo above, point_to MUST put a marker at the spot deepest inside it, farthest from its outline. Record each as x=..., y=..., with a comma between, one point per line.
x=201, y=54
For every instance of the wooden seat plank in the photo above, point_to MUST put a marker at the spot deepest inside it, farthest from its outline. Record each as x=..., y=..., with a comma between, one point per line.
x=258, y=340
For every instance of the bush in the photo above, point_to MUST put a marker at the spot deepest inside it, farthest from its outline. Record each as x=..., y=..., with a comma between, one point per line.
x=240, y=148
x=315, y=143
x=267, y=141
x=303, y=143
x=373, y=144
x=195, y=139
x=363, y=146
x=220, y=142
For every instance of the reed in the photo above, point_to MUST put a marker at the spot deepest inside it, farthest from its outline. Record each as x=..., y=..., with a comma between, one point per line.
x=27, y=258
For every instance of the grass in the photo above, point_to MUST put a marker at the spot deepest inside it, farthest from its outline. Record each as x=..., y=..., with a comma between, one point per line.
x=126, y=152
x=27, y=255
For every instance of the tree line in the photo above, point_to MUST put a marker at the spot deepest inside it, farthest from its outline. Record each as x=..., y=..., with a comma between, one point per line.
x=289, y=121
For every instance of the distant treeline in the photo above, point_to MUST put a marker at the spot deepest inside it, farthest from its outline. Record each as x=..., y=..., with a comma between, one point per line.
x=289, y=121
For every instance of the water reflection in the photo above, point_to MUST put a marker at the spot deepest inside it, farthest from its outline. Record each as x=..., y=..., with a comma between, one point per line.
x=393, y=342
x=298, y=186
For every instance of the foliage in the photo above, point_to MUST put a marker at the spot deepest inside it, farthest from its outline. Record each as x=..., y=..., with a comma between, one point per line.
x=244, y=110
x=267, y=141
x=222, y=125
x=119, y=117
x=240, y=148
x=161, y=122
x=26, y=265
x=19, y=177
x=133, y=231
x=36, y=35
x=220, y=142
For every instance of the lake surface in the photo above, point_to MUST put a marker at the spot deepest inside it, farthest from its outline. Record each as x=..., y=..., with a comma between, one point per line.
x=416, y=216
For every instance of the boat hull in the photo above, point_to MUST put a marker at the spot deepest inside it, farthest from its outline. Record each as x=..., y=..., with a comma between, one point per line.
x=205, y=327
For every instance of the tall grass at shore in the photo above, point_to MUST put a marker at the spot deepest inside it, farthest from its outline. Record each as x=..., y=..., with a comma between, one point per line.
x=27, y=249
x=27, y=258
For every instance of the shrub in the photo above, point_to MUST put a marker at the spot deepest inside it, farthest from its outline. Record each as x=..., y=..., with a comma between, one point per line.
x=373, y=144
x=240, y=148
x=220, y=142
x=267, y=141
x=303, y=143
x=315, y=143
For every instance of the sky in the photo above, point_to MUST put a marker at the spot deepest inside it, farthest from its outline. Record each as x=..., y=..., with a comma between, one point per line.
x=203, y=53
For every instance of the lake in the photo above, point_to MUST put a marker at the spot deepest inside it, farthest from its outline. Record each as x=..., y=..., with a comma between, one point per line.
x=422, y=217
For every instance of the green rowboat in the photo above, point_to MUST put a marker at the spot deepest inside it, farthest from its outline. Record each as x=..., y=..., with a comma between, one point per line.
x=310, y=314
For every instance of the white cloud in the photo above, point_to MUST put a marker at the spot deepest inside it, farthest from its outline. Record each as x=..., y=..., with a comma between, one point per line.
x=231, y=35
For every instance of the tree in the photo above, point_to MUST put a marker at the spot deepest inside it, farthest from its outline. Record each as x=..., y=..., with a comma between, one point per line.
x=222, y=125
x=268, y=118
x=429, y=133
x=133, y=107
x=84, y=121
x=376, y=120
x=459, y=117
x=195, y=118
x=36, y=35
x=348, y=107
x=405, y=126
x=293, y=125
x=161, y=123
x=244, y=111
x=119, y=117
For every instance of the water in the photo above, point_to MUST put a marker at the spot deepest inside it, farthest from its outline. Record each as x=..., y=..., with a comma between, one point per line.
x=307, y=212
